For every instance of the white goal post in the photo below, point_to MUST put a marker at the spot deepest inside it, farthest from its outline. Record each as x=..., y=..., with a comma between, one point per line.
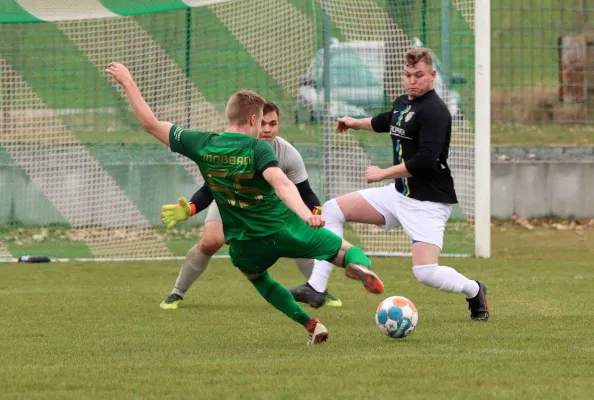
x=482, y=88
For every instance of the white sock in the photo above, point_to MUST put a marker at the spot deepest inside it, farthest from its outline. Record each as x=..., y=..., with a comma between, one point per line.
x=194, y=265
x=334, y=222
x=305, y=265
x=446, y=279
x=320, y=275
x=334, y=217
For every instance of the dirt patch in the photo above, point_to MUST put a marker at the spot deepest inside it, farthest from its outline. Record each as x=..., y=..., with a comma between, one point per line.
x=549, y=223
x=538, y=105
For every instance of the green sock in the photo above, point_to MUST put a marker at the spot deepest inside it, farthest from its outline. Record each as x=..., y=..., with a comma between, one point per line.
x=280, y=298
x=355, y=255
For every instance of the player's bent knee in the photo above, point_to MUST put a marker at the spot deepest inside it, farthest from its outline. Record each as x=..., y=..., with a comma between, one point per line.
x=209, y=246
x=356, y=208
x=251, y=276
x=332, y=211
x=425, y=253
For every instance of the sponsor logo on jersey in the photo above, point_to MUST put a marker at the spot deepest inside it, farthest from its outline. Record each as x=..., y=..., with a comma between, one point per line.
x=224, y=159
x=397, y=131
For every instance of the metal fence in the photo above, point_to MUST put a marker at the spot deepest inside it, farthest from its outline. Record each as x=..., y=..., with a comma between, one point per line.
x=542, y=61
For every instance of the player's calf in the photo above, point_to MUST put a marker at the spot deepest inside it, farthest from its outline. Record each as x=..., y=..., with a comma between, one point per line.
x=192, y=268
x=448, y=279
x=281, y=299
x=210, y=245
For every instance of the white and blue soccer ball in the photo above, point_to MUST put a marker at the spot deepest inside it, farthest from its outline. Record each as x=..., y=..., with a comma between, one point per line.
x=396, y=317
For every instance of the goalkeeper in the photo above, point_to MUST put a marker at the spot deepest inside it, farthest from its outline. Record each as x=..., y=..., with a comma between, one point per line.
x=197, y=259
x=243, y=176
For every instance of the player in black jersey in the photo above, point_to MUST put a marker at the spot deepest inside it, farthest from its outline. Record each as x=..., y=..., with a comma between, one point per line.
x=421, y=199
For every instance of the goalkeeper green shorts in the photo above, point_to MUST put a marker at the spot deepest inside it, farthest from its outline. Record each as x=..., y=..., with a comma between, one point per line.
x=295, y=240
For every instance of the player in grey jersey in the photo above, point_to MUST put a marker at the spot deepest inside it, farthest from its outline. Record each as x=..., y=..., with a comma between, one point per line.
x=197, y=259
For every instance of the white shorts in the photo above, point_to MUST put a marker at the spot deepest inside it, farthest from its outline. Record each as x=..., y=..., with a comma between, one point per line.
x=423, y=221
x=213, y=214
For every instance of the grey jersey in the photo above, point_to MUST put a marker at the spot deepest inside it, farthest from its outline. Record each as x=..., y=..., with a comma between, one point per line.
x=289, y=161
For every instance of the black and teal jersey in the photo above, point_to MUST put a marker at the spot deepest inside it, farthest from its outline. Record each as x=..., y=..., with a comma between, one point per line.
x=421, y=131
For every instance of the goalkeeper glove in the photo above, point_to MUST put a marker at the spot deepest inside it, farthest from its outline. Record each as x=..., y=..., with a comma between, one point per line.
x=171, y=214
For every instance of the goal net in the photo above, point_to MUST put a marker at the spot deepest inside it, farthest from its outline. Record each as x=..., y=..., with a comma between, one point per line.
x=80, y=179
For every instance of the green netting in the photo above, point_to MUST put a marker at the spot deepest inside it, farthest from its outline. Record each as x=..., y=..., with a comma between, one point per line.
x=94, y=181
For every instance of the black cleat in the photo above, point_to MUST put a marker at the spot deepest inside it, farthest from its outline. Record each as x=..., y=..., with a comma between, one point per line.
x=332, y=301
x=307, y=295
x=172, y=302
x=479, y=310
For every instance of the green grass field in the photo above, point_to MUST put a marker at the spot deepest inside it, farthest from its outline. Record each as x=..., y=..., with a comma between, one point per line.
x=95, y=330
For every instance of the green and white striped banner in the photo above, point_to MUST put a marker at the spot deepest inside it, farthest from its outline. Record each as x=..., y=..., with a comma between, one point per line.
x=75, y=10
x=79, y=177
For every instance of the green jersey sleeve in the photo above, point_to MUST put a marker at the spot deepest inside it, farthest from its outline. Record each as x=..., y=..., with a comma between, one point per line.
x=264, y=155
x=187, y=143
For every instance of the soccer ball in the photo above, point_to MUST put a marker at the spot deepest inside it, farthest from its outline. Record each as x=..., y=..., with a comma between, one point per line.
x=396, y=317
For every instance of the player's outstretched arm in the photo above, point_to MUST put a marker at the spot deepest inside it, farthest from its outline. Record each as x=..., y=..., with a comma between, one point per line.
x=288, y=193
x=159, y=129
x=345, y=123
x=201, y=199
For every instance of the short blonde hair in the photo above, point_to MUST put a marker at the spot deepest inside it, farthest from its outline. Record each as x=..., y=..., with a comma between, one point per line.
x=414, y=56
x=242, y=105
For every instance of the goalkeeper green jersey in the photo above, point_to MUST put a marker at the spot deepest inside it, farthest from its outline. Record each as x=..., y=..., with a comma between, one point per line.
x=232, y=165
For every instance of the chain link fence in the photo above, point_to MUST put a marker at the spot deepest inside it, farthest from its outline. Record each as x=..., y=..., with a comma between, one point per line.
x=542, y=63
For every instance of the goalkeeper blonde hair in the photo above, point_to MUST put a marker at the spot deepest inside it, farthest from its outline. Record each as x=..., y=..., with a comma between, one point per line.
x=242, y=105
